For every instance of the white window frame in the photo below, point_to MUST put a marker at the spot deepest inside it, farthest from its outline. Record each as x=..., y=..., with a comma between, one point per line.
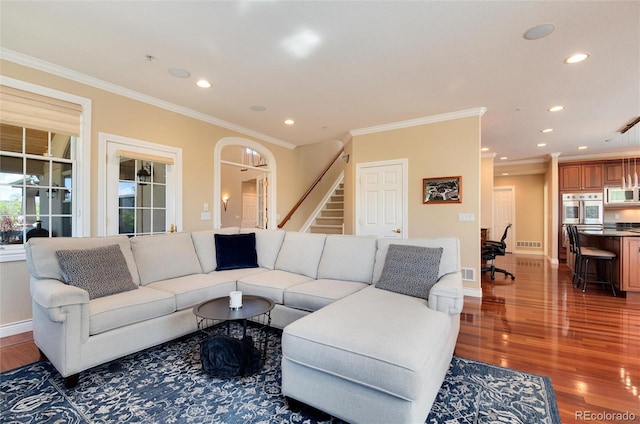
x=82, y=167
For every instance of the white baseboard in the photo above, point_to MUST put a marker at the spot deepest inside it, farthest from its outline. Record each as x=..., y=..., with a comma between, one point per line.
x=472, y=292
x=529, y=252
x=14, y=328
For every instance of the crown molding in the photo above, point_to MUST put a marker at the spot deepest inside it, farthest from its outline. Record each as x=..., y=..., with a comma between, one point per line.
x=522, y=162
x=601, y=156
x=420, y=121
x=51, y=68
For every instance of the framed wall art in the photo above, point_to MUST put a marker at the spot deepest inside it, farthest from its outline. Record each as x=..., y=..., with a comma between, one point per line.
x=442, y=190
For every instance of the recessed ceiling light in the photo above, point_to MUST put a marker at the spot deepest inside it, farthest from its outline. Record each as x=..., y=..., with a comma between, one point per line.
x=179, y=73
x=538, y=32
x=302, y=44
x=258, y=108
x=503, y=158
x=484, y=149
x=583, y=147
x=541, y=144
x=576, y=58
x=289, y=121
x=555, y=108
x=546, y=130
x=203, y=83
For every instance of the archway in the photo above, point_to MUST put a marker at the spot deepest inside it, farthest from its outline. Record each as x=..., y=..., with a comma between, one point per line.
x=269, y=168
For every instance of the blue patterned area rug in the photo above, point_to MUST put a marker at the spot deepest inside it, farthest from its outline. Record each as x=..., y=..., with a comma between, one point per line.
x=166, y=384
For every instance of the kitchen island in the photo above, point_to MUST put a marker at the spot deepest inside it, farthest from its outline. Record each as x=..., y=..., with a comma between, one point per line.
x=625, y=243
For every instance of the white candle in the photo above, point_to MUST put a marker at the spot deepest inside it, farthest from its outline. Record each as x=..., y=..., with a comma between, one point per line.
x=235, y=299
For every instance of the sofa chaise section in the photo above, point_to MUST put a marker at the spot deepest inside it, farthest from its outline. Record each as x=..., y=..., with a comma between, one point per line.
x=377, y=356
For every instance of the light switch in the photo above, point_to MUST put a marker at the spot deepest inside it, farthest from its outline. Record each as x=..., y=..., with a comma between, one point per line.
x=205, y=207
x=205, y=216
x=466, y=217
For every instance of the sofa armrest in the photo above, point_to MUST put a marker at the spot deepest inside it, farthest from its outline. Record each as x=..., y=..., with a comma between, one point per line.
x=447, y=294
x=52, y=295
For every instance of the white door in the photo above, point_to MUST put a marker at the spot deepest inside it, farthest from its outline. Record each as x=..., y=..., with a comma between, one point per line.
x=249, y=211
x=503, y=215
x=381, y=205
x=141, y=193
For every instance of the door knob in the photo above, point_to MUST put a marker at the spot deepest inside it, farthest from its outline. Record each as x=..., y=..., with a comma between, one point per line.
x=397, y=230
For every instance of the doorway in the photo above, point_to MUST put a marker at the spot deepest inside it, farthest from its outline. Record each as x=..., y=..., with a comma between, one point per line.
x=503, y=215
x=238, y=160
x=140, y=184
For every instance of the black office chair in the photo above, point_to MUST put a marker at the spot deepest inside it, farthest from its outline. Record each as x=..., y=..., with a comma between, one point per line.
x=491, y=249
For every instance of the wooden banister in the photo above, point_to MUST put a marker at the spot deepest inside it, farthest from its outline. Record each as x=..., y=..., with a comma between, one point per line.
x=310, y=189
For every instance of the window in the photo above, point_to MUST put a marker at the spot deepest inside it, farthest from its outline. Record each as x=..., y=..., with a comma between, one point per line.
x=36, y=184
x=44, y=158
x=142, y=206
x=252, y=158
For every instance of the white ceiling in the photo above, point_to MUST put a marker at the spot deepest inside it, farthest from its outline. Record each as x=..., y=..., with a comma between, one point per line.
x=366, y=63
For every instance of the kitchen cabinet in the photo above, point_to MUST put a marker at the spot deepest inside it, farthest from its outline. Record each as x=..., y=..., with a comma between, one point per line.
x=630, y=268
x=581, y=177
x=614, y=245
x=570, y=177
x=613, y=172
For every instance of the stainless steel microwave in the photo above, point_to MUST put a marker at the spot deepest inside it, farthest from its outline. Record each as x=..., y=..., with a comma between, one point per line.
x=618, y=195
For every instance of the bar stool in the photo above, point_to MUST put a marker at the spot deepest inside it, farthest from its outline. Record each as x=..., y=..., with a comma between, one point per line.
x=586, y=254
x=576, y=258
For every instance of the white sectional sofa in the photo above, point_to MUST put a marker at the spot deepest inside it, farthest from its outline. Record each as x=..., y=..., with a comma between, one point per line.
x=360, y=353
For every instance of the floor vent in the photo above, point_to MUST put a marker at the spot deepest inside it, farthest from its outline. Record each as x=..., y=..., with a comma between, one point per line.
x=529, y=244
x=468, y=274
x=533, y=264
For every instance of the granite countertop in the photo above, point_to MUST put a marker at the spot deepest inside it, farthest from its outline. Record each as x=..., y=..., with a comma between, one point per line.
x=611, y=232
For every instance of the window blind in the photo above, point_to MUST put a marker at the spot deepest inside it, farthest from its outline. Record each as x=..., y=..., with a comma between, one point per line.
x=25, y=109
x=146, y=157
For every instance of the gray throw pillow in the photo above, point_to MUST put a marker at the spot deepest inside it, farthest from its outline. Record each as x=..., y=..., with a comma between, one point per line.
x=101, y=271
x=410, y=270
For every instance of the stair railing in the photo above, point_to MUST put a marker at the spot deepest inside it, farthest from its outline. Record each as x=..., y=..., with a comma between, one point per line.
x=310, y=189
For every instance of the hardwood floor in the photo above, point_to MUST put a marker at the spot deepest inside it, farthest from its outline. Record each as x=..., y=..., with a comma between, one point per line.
x=17, y=350
x=588, y=344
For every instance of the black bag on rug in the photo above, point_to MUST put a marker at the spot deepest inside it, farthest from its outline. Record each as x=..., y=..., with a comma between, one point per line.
x=225, y=356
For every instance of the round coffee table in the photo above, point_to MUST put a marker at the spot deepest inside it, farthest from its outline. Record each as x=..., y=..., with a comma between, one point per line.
x=217, y=310
x=212, y=313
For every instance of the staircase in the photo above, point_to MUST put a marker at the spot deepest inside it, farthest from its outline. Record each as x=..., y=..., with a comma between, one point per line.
x=331, y=217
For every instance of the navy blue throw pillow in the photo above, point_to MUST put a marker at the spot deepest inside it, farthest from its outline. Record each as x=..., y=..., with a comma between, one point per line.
x=235, y=251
